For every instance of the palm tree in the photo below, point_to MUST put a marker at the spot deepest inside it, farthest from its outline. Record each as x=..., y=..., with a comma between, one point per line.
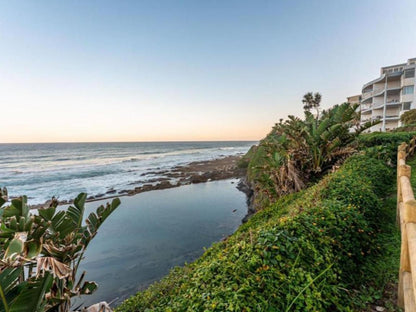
x=312, y=101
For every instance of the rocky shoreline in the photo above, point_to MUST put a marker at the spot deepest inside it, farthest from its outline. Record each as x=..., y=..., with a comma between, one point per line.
x=192, y=173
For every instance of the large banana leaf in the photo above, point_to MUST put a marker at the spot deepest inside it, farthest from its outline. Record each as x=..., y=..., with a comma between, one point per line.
x=9, y=287
x=31, y=297
x=96, y=219
x=77, y=213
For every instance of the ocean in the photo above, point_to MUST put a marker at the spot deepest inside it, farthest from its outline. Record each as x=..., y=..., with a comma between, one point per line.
x=63, y=170
x=150, y=233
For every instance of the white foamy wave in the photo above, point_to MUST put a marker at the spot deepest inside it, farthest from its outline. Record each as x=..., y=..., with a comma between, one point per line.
x=41, y=171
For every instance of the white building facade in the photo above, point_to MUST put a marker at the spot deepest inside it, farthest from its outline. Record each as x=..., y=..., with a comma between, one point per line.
x=389, y=96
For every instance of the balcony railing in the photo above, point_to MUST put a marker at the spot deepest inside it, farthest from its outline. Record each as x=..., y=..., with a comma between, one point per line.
x=392, y=116
x=394, y=102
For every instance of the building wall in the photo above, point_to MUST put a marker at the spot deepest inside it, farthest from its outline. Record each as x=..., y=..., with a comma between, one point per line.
x=377, y=103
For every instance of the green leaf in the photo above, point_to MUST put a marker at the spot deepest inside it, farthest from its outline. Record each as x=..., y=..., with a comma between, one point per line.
x=31, y=299
x=63, y=224
x=95, y=220
x=33, y=249
x=9, y=277
x=18, y=208
x=77, y=213
x=88, y=288
x=15, y=247
x=47, y=213
x=5, y=232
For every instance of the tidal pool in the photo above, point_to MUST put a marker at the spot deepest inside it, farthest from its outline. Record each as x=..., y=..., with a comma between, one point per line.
x=152, y=232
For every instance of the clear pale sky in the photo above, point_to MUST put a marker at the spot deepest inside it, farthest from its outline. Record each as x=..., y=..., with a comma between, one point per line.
x=186, y=70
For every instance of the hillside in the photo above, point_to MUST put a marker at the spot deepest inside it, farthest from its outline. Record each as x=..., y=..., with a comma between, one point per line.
x=329, y=244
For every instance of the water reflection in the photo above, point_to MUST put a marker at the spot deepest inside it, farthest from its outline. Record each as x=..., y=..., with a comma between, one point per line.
x=152, y=232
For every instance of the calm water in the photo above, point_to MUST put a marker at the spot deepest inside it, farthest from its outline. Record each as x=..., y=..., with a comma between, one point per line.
x=41, y=171
x=152, y=232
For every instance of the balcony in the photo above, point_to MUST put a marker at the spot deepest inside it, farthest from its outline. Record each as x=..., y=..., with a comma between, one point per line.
x=392, y=117
x=394, y=103
x=367, y=95
x=378, y=106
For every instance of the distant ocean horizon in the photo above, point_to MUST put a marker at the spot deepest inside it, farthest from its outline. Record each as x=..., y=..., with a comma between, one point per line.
x=43, y=170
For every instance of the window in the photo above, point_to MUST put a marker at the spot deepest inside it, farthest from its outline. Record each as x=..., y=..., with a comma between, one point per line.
x=408, y=90
x=409, y=73
x=406, y=105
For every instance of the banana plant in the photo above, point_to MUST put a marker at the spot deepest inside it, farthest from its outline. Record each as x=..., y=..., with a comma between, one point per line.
x=297, y=151
x=40, y=253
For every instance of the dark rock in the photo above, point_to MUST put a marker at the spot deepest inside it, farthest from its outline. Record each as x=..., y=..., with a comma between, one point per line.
x=245, y=187
x=199, y=179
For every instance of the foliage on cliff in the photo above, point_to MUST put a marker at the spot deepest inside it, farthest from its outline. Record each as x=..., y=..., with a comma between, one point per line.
x=302, y=253
x=299, y=151
x=408, y=117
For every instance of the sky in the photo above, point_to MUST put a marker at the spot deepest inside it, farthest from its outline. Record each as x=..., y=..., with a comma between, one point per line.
x=91, y=71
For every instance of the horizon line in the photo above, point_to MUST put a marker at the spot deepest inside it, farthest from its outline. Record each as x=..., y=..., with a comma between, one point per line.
x=158, y=141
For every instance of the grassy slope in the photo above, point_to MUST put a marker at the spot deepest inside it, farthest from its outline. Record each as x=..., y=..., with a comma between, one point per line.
x=381, y=290
x=307, y=252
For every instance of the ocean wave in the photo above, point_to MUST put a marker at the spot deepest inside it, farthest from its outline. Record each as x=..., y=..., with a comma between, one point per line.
x=65, y=170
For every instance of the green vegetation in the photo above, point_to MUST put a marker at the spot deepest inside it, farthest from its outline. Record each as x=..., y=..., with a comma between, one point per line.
x=408, y=117
x=298, y=152
x=309, y=251
x=408, y=128
x=40, y=253
x=323, y=237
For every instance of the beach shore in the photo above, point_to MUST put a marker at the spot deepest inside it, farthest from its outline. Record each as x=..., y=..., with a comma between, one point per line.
x=194, y=172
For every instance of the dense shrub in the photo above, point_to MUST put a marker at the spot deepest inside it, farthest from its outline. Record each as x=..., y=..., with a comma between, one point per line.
x=300, y=254
x=384, y=138
x=408, y=117
x=245, y=160
x=407, y=128
x=384, y=145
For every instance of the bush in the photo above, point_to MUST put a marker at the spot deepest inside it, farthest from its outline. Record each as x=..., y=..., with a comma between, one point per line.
x=245, y=160
x=384, y=138
x=408, y=117
x=298, y=152
x=384, y=145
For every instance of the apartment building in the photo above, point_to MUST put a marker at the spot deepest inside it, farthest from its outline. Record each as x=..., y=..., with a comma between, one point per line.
x=355, y=99
x=387, y=97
